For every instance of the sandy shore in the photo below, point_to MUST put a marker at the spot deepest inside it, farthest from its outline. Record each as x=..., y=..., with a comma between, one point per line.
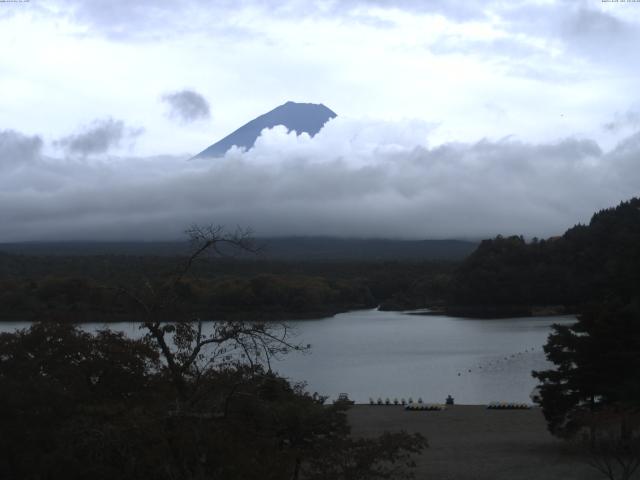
x=470, y=442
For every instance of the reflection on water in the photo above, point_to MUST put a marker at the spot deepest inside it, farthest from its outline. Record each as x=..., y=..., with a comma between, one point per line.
x=375, y=354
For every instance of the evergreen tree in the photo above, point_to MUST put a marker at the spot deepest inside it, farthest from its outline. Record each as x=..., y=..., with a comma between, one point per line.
x=597, y=362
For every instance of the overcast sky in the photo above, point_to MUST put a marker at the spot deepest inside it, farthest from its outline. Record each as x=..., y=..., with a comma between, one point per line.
x=456, y=119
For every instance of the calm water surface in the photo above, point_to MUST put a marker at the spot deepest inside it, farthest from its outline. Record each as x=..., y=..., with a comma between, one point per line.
x=369, y=353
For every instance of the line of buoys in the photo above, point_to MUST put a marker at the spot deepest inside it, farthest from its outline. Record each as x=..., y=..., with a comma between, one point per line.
x=395, y=401
x=429, y=407
x=508, y=406
x=497, y=362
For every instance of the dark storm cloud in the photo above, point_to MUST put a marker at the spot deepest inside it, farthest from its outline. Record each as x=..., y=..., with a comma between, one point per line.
x=98, y=137
x=187, y=106
x=16, y=148
x=341, y=182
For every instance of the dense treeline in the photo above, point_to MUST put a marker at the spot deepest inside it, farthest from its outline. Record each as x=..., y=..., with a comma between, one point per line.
x=81, y=299
x=512, y=276
x=86, y=288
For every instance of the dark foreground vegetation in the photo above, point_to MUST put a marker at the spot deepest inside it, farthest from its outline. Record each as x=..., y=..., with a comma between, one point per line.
x=190, y=400
x=77, y=406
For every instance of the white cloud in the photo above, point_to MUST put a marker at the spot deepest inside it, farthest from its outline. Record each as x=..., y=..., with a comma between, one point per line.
x=439, y=61
x=528, y=71
x=341, y=182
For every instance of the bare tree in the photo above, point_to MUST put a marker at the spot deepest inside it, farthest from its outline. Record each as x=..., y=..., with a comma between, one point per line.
x=190, y=345
x=613, y=443
x=614, y=458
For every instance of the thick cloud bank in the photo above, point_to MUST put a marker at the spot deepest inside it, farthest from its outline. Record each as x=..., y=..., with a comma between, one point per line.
x=16, y=148
x=355, y=178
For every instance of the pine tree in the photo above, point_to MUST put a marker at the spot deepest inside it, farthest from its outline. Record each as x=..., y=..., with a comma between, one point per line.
x=597, y=363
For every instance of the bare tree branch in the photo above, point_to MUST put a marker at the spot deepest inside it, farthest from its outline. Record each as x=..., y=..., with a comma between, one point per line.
x=183, y=343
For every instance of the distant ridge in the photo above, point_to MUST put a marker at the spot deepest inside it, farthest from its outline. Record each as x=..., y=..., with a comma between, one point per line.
x=301, y=117
x=278, y=248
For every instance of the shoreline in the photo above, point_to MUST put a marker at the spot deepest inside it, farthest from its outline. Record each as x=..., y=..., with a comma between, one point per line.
x=88, y=317
x=496, y=312
x=268, y=317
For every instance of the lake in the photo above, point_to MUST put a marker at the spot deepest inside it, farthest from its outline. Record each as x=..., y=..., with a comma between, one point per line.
x=371, y=354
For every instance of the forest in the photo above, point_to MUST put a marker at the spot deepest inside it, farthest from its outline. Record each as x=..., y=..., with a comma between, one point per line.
x=504, y=276
x=509, y=276
x=82, y=288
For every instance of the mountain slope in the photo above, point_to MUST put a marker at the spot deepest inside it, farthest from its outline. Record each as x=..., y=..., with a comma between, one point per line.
x=301, y=117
